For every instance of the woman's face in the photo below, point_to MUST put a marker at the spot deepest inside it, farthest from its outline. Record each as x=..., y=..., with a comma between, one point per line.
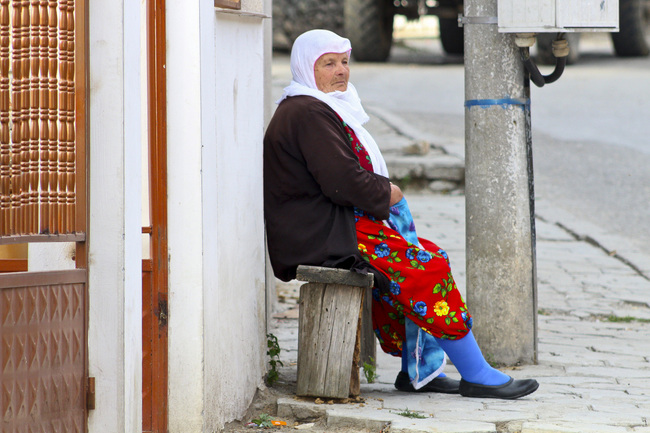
x=332, y=72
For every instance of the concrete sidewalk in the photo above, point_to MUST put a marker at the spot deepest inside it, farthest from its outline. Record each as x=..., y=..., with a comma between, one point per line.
x=594, y=336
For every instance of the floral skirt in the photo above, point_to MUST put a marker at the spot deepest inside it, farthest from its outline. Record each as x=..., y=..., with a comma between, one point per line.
x=422, y=287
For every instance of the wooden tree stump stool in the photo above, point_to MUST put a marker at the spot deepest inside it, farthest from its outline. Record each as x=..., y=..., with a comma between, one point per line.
x=329, y=332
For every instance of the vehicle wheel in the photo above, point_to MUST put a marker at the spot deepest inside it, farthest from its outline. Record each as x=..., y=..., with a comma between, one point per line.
x=369, y=26
x=634, y=24
x=451, y=36
x=291, y=18
x=545, y=49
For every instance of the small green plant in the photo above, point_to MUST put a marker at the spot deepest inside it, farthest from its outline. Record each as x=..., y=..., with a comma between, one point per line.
x=264, y=420
x=410, y=414
x=625, y=319
x=274, y=361
x=370, y=371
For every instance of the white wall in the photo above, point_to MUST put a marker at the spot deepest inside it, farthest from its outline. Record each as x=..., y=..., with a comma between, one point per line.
x=235, y=308
x=184, y=143
x=115, y=312
x=215, y=110
x=216, y=72
x=51, y=257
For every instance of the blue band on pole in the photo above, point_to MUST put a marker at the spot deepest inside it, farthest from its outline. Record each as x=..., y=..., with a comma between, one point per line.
x=504, y=103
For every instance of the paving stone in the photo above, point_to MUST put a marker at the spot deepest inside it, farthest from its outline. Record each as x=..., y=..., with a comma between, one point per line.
x=366, y=418
x=606, y=371
x=434, y=425
x=576, y=427
x=299, y=410
x=492, y=415
x=399, y=402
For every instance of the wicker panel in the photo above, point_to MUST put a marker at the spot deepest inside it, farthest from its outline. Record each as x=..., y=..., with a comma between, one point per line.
x=38, y=145
x=42, y=343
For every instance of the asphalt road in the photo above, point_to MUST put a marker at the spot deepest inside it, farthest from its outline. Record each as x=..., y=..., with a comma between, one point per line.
x=591, y=129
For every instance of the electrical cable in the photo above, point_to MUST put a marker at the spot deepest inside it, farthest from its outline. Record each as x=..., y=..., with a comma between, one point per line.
x=560, y=52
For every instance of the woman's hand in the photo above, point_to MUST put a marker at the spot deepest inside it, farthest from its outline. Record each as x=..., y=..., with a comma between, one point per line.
x=395, y=194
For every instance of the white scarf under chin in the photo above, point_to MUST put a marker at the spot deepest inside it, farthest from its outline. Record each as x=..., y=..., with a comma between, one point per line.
x=307, y=48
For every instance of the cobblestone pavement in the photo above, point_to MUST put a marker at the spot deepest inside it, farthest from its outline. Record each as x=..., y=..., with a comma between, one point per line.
x=594, y=350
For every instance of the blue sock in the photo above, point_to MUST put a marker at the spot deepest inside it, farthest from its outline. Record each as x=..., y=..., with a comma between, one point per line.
x=469, y=361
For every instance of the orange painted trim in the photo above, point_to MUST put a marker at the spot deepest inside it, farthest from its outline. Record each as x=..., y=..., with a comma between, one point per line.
x=82, y=60
x=157, y=300
x=13, y=265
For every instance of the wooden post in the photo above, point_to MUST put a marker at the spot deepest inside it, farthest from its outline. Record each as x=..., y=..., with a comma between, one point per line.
x=329, y=331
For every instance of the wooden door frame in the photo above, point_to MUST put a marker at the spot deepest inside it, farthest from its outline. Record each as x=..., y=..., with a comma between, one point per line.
x=157, y=144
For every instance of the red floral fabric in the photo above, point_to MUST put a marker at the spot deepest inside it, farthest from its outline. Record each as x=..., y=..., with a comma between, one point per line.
x=422, y=287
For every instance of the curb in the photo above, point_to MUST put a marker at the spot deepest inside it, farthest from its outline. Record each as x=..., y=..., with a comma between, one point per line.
x=417, y=163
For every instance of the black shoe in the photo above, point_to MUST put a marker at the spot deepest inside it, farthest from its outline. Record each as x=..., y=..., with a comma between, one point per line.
x=445, y=385
x=510, y=390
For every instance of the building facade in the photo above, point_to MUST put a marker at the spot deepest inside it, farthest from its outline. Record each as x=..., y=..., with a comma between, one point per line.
x=175, y=305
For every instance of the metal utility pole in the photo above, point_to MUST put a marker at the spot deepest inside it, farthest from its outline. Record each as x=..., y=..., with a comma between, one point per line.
x=501, y=269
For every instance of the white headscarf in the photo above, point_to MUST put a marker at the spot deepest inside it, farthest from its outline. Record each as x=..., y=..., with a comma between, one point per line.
x=306, y=50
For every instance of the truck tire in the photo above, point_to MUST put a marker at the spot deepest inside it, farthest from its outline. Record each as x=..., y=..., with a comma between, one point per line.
x=291, y=18
x=451, y=36
x=545, y=49
x=369, y=26
x=634, y=24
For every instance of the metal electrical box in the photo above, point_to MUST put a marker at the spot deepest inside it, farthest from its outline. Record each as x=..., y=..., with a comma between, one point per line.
x=551, y=16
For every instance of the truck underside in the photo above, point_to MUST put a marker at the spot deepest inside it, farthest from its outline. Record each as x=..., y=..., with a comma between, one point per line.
x=369, y=25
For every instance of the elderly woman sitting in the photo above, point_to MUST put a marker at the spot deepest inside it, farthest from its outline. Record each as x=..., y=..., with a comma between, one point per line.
x=329, y=202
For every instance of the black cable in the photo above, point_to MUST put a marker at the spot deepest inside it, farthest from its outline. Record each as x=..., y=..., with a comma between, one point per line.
x=535, y=75
x=560, y=63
